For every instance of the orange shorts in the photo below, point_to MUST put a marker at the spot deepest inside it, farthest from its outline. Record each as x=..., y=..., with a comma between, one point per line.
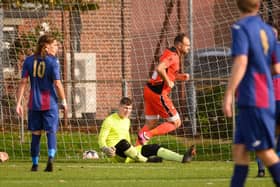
x=158, y=105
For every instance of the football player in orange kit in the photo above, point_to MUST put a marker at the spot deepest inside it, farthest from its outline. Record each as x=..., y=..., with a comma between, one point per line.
x=156, y=93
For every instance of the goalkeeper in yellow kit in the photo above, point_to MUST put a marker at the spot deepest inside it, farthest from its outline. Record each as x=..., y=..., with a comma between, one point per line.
x=114, y=141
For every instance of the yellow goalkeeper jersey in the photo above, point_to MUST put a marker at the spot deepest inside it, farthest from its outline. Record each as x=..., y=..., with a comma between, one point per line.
x=113, y=130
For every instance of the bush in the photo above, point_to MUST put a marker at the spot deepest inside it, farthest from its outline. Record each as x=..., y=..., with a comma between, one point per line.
x=210, y=118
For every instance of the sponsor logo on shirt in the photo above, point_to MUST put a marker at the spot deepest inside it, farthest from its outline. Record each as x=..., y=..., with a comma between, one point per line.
x=256, y=143
x=235, y=26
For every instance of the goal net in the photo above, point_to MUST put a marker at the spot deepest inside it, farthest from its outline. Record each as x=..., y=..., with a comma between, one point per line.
x=108, y=50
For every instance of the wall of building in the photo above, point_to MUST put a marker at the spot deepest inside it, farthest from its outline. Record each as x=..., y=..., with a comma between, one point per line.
x=105, y=33
x=130, y=35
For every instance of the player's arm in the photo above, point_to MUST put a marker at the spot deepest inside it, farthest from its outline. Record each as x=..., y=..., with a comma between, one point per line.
x=58, y=85
x=128, y=133
x=238, y=72
x=182, y=76
x=60, y=92
x=103, y=134
x=22, y=85
x=102, y=138
x=240, y=47
x=19, y=95
x=161, y=69
x=128, y=137
x=276, y=59
x=276, y=69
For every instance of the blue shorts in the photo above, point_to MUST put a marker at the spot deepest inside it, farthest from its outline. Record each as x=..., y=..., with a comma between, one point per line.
x=255, y=128
x=43, y=120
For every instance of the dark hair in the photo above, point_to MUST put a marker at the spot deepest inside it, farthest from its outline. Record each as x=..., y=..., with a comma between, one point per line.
x=126, y=101
x=41, y=44
x=179, y=38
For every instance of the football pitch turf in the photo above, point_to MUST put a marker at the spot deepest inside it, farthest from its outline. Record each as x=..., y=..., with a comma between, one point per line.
x=166, y=174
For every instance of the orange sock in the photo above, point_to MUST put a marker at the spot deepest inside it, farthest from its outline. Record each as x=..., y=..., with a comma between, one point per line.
x=163, y=128
x=144, y=129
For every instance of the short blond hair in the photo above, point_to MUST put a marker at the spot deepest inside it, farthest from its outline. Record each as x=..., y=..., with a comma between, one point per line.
x=248, y=6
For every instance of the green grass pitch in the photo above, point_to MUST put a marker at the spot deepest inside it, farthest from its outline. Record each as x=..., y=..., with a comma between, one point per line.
x=100, y=174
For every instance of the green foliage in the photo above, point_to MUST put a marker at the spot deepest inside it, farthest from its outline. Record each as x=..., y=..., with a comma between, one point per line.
x=211, y=120
x=171, y=142
x=81, y=5
x=28, y=40
x=70, y=145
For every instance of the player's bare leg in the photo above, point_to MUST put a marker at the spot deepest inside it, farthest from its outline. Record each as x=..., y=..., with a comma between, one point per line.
x=271, y=160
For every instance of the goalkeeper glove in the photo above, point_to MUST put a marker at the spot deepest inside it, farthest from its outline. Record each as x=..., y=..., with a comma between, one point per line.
x=64, y=103
x=109, y=151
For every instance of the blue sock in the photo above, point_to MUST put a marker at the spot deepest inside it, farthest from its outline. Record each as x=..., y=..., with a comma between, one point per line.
x=51, y=153
x=260, y=164
x=278, y=146
x=51, y=144
x=239, y=175
x=35, y=148
x=275, y=173
x=35, y=160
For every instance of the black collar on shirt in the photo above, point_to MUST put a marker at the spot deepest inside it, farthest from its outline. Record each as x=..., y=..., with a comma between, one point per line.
x=173, y=49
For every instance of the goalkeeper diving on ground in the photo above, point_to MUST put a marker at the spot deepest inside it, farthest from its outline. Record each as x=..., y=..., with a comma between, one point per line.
x=114, y=140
